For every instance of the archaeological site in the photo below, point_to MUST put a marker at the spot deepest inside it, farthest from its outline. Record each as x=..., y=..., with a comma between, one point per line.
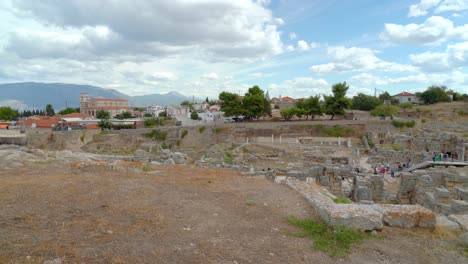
x=235, y=192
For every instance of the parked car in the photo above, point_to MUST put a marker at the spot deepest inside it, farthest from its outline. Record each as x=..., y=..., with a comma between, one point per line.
x=229, y=120
x=178, y=123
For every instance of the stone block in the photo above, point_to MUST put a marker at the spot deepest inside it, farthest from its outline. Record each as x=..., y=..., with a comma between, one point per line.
x=459, y=207
x=406, y=215
x=461, y=219
x=362, y=193
x=442, y=208
x=462, y=193
x=445, y=225
x=169, y=162
x=429, y=201
x=359, y=217
x=179, y=158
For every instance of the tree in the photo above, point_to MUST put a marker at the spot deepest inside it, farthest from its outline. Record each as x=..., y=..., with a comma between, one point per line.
x=267, y=105
x=385, y=96
x=124, y=115
x=8, y=113
x=105, y=124
x=68, y=110
x=148, y=115
x=337, y=103
x=288, y=113
x=364, y=102
x=310, y=106
x=405, y=106
x=194, y=115
x=434, y=94
x=101, y=114
x=254, y=102
x=231, y=104
x=385, y=110
x=49, y=110
x=186, y=103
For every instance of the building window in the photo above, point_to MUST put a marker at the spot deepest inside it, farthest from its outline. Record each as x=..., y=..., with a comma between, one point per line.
x=409, y=99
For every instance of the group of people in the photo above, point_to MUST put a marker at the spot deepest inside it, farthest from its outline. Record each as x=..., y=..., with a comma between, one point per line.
x=385, y=168
x=445, y=156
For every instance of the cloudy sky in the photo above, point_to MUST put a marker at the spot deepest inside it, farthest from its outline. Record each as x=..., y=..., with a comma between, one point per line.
x=202, y=47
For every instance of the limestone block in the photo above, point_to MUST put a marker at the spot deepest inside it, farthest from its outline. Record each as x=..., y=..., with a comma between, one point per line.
x=429, y=201
x=179, y=158
x=461, y=219
x=169, y=162
x=445, y=225
x=464, y=239
x=462, y=193
x=442, y=208
x=457, y=178
x=360, y=217
x=459, y=207
x=362, y=193
x=442, y=195
x=406, y=215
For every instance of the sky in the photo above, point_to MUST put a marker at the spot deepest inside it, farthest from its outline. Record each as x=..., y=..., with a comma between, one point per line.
x=296, y=48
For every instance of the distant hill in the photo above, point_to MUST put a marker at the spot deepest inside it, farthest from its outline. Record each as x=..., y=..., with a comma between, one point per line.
x=31, y=95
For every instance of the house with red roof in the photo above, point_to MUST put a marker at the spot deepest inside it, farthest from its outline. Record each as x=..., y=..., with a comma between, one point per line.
x=283, y=102
x=405, y=97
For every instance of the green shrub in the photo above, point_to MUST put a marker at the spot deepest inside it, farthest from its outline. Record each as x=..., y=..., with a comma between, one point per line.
x=82, y=137
x=400, y=124
x=184, y=134
x=250, y=202
x=338, y=131
x=423, y=120
x=396, y=147
x=201, y=129
x=462, y=113
x=156, y=134
x=147, y=169
x=218, y=130
x=336, y=242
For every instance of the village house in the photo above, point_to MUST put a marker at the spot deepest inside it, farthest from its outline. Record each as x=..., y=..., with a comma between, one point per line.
x=177, y=111
x=283, y=102
x=91, y=106
x=155, y=110
x=405, y=97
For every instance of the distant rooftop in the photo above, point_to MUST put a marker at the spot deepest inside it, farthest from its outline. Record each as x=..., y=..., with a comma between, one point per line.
x=405, y=94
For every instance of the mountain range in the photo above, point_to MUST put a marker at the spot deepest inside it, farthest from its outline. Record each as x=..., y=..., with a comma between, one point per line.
x=32, y=95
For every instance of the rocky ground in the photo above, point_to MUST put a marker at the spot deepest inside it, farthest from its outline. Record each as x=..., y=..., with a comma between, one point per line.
x=169, y=214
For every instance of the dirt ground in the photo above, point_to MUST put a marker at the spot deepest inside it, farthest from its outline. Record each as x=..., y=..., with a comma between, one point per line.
x=176, y=214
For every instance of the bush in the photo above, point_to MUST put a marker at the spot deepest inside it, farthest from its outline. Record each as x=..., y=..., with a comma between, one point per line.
x=157, y=135
x=462, y=113
x=400, y=124
x=338, y=131
x=218, y=130
x=201, y=129
x=184, y=134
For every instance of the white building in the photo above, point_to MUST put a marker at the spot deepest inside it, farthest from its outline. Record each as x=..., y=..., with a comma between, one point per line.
x=176, y=111
x=405, y=97
x=155, y=110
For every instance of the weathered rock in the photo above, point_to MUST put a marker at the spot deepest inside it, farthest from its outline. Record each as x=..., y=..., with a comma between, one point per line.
x=179, y=158
x=462, y=220
x=445, y=225
x=459, y=207
x=360, y=217
x=464, y=239
x=462, y=193
x=406, y=215
x=169, y=162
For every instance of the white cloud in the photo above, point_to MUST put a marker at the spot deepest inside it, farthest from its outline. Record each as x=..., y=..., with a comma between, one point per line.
x=455, y=56
x=421, y=8
x=300, y=87
x=356, y=59
x=163, y=76
x=292, y=36
x=314, y=45
x=452, y=5
x=257, y=75
x=221, y=29
x=435, y=29
x=290, y=48
x=302, y=45
x=211, y=76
